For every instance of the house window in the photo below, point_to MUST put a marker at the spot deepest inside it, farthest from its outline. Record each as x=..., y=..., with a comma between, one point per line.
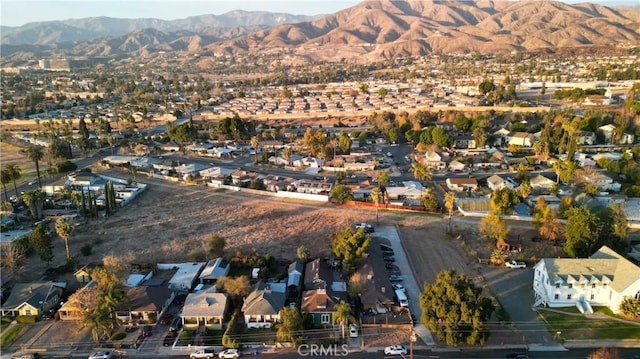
x=605, y=284
x=27, y=312
x=557, y=285
x=570, y=285
x=593, y=296
x=568, y=296
x=593, y=285
x=556, y=297
x=325, y=318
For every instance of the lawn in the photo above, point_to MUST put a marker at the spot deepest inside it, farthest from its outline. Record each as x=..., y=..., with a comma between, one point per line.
x=10, y=335
x=579, y=327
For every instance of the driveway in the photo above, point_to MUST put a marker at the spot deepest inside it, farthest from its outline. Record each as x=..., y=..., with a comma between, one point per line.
x=409, y=282
x=514, y=289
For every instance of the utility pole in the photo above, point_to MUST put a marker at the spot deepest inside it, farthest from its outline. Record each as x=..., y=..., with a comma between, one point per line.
x=412, y=334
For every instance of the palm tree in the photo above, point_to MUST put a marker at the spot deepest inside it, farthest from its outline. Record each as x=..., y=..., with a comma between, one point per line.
x=14, y=173
x=449, y=204
x=35, y=154
x=421, y=172
x=34, y=200
x=254, y=143
x=376, y=195
x=343, y=315
x=286, y=153
x=5, y=177
x=64, y=229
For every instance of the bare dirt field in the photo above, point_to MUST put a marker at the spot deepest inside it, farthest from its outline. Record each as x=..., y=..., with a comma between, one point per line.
x=10, y=153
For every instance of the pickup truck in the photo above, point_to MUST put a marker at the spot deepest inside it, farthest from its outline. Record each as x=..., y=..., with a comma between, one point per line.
x=367, y=227
x=514, y=264
x=203, y=353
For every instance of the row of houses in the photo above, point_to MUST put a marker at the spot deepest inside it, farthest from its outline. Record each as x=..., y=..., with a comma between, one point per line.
x=318, y=286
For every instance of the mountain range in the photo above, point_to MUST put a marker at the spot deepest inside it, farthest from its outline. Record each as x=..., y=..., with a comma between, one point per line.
x=369, y=30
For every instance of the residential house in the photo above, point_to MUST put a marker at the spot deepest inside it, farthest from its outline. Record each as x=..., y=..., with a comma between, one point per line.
x=601, y=180
x=261, y=308
x=378, y=295
x=205, y=308
x=462, y=183
x=501, y=137
x=541, y=183
x=32, y=299
x=410, y=193
x=317, y=274
x=464, y=141
x=604, y=279
x=214, y=269
x=552, y=201
x=597, y=100
x=627, y=138
x=586, y=138
x=146, y=302
x=75, y=307
x=496, y=182
x=294, y=278
x=186, y=275
x=320, y=304
x=456, y=166
x=608, y=131
x=324, y=290
x=523, y=139
x=83, y=275
x=433, y=160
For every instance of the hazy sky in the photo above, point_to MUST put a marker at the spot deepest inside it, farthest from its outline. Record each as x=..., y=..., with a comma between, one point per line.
x=20, y=12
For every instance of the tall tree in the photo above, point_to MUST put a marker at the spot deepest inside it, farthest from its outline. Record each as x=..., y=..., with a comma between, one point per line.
x=303, y=254
x=343, y=316
x=349, y=246
x=13, y=170
x=40, y=241
x=5, y=178
x=254, y=143
x=291, y=326
x=449, y=204
x=34, y=199
x=582, y=232
x=504, y=200
x=494, y=227
x=420, y=172
x=64, y=229
x=429, y=199
x=35, y=154
x=216, y=245
x=455, y=309
x=376, y=195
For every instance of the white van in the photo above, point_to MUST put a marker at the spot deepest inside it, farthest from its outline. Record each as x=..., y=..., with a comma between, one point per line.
x=402, y=298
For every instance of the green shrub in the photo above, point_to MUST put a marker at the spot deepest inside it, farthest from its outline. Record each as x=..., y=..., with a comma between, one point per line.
x=118, y=336
x=27, y=319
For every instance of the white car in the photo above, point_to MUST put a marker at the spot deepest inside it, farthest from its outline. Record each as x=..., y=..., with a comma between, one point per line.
x=514, y=264
x=229, y=354
x=353, y=330
x=395, y=350
x=399, y=287
x=101, y=355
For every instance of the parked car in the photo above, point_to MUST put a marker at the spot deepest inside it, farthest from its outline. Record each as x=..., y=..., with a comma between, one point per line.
x=101, y=355
x=386, y=248
x=146, y=331
x=514, y=264
x=388, y=258
x=165, y=319
x=353, y=331
x=203, y=353
x=169, y=339
x=367, y=227
x=26, y=356
x=395, y=350
x=388, y=265
x=395, y=278
x=229, y=354
x=399, y=287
